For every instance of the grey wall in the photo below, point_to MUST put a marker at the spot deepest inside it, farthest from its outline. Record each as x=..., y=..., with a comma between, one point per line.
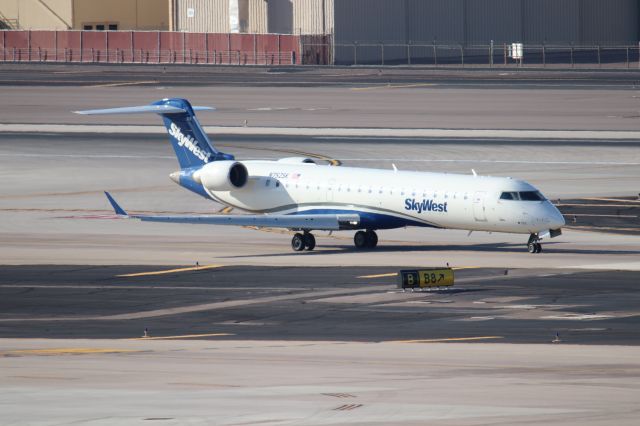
x=280, y=16
x=479, y=21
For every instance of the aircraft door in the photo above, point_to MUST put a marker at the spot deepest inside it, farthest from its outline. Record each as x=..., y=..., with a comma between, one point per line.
x=479, y=210
x=331, y=186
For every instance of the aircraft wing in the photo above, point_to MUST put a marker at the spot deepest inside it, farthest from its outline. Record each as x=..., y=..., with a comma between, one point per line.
x=324, y=222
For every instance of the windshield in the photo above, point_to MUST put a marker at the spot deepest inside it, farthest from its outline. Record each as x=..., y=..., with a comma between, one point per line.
x=522, y=196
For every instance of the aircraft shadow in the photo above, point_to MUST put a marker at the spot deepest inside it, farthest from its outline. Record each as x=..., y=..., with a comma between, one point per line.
x=548, y=248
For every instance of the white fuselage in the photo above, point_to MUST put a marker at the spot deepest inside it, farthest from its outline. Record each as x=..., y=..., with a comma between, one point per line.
x=391, y=199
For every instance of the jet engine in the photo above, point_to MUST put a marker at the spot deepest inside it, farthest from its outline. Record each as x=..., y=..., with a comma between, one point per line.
x=222, y=175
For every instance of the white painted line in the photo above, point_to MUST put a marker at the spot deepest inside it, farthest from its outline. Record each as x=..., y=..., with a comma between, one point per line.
x=338, y=132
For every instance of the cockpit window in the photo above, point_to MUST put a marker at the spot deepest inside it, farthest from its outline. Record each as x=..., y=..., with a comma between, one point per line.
x=508, y=196
x=531, y=196
x=522, y=196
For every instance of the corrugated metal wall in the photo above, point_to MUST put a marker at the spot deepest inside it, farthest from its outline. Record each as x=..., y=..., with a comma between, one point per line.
x=257, y=16
x=309, y=18
x=370, y=20
x=480, y=21
x=280, y=16
x=435, y=20
x=208, y=16
x=551, y=20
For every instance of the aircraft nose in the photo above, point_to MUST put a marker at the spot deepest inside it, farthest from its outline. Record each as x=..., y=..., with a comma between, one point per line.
x=557, y=220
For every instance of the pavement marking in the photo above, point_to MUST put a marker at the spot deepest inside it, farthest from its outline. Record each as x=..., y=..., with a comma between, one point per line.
x=452, y=339
x=126, y=83
x=393, y=274
x=226, y=210
x=201, y=307
x=614, y=200
x=341, y=132
x=393, y=86
x=600, y=215
x=66, y=351
x=170, y=271
x=186, y=336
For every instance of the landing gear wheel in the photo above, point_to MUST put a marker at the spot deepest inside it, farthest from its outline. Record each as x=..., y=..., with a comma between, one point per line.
x=360, y=239
x=309, y=241
x=534, y=248
x=298, y=242
x=372, y=239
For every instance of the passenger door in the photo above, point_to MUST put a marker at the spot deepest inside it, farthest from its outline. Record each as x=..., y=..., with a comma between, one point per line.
x=479, y=211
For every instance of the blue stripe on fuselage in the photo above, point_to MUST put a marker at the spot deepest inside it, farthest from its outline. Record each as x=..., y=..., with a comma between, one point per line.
x=370, y=220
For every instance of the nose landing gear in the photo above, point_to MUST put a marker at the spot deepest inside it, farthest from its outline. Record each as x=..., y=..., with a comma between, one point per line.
x=533, y=245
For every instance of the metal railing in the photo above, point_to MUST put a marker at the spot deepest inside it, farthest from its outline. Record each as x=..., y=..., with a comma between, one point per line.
x=489, y=55
x=141, y=56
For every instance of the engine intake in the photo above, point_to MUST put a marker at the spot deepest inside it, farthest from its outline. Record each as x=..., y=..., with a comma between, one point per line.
x=222, y=175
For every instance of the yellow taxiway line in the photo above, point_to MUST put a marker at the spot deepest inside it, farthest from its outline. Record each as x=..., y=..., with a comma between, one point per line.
x=170, y=271
x=451, y=339
x=394, y=86
x=126, y=83
x=186, y=336
x=394, y=274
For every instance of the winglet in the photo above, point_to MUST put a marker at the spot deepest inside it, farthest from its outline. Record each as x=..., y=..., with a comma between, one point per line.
x=119, y=210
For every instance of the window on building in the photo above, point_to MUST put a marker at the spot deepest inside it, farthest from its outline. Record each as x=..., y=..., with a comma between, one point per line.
x=113, y=27
x=87, y=27
x=100, y=27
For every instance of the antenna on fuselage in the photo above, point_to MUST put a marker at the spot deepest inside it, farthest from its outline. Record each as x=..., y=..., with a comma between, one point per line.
x=395, y=169
x=474, y=173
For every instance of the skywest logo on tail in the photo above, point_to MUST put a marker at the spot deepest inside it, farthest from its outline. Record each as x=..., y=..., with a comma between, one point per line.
x=189, y=143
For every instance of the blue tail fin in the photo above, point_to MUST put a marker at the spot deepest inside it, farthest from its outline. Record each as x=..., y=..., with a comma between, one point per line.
x=191, y=144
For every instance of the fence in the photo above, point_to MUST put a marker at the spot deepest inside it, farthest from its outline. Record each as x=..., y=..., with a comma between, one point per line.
x=152, y=47
x=433, y=54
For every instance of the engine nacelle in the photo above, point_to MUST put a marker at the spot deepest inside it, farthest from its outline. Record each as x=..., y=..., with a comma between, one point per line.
x=297, y=160
x=222, y=175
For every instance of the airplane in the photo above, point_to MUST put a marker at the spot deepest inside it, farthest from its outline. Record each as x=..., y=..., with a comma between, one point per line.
x=297, y=194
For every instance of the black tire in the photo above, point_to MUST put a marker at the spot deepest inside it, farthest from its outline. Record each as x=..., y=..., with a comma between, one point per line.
x=360, y=240
x=531, y=247
x=297, y=242
x=372, y=239
x=538, y=248
x=309, y=241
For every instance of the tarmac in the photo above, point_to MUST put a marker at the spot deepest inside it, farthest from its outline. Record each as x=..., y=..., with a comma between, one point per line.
x=241, y=330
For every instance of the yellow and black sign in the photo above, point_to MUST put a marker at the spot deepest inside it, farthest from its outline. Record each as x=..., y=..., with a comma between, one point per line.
x=429, y=277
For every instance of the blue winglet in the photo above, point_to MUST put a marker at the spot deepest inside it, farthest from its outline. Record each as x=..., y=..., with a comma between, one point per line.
x=119, y=210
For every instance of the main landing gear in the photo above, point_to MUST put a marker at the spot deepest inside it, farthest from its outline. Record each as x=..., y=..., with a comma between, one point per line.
x=368, y=239
x=533, y=245
x=304, y=241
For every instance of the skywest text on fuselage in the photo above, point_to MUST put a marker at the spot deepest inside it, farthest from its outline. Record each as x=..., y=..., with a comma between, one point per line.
x=424, y=206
